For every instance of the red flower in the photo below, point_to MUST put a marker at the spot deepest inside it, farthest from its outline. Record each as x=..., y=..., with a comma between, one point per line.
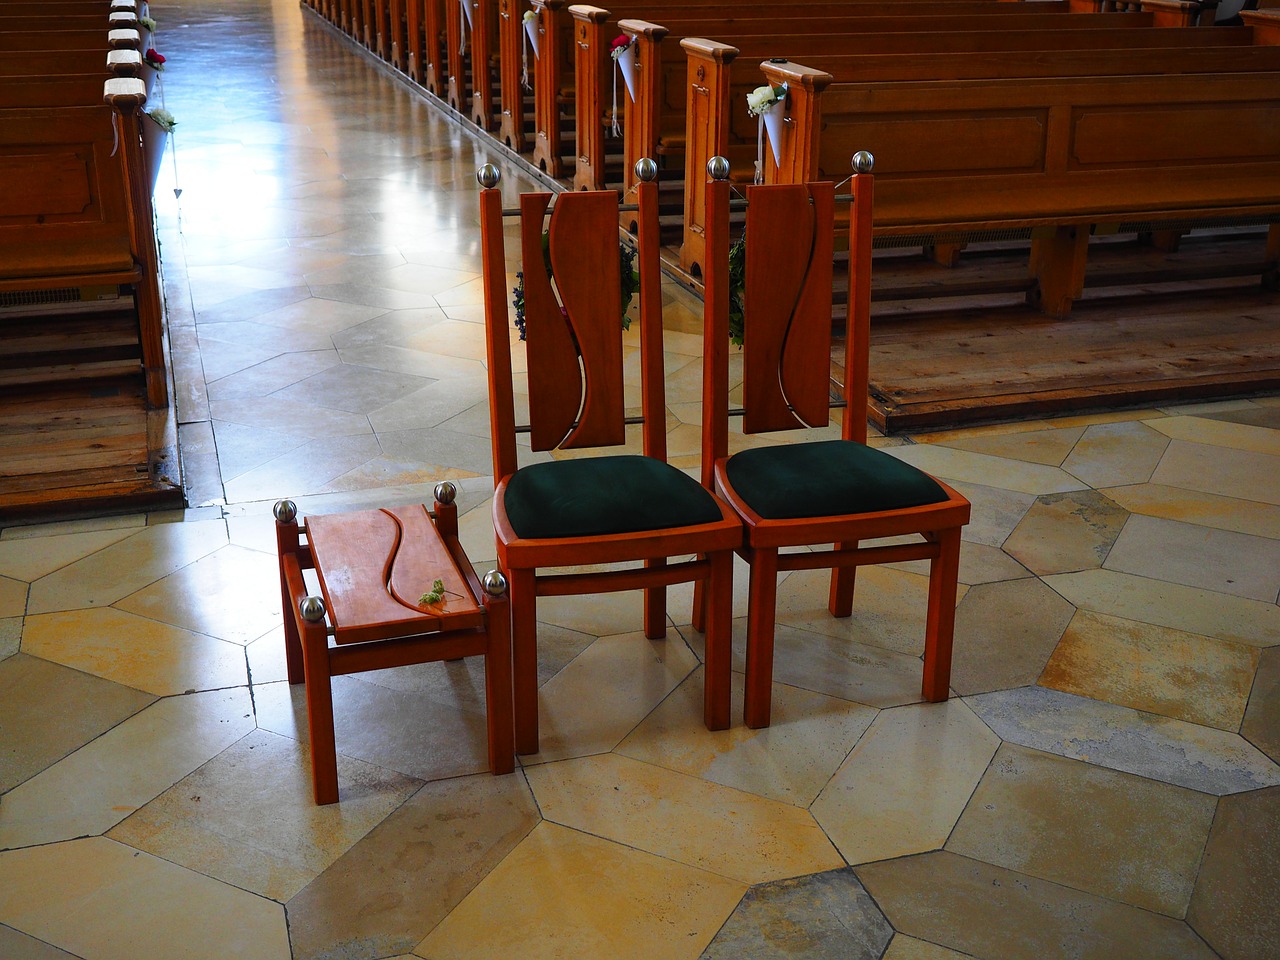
x=620, y=43
x=153, y=56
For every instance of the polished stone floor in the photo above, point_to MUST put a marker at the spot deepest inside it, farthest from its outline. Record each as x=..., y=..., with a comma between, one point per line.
x=1103, y=783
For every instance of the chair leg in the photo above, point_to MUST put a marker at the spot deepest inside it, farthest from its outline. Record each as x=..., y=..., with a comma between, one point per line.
x=840, y=601
x=324, y=755
x=524, y=658
x=718, y=668
x=940, y=625
x=761, y=604
x=497, y=685
x=700, y=606
x=655, y=605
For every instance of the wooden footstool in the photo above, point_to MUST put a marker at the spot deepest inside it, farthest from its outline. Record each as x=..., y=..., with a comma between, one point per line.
x=376, y=568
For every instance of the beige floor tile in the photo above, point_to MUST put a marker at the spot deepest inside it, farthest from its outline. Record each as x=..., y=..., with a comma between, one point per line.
x=1222, y=471
x=105, y=901
x=309, y=469
x=126, y=566
x=410, y=733
x=889, y=607
x=995, y=512
x=1203, y=509
x=791, y=760
x=1220, y=433
x=1112, y=834
x=968, y=467
x=1156, y=669
x=1116, y=453
x=990, y=912
x=1261, y=724
x=994, y=649
x=247, y=817
x=1238, y=564
x=1066, y=532
x=838, y=666
x=389, y=890
x=232, y=594
x=979, y=563
x=32, y=692
x=565, y=894
x=135, y=651
x=607, y=614
x=103, y=782
x=692, y=821
x=1193, y=609
x=1048, y=447
x=1234, y=903
x=13, y=598
x=19, y=946
x=907, y=781
x=600, y=696
x=31, y=558
x=123, y=522
x=10, y=636
x=903, y=947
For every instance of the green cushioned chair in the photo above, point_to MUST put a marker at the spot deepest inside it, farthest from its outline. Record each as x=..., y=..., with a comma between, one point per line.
x=633, y=521
x=832, y=493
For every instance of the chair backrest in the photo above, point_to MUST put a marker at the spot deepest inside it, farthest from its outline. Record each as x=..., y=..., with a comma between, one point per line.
x=573, y=317
x=786, y=297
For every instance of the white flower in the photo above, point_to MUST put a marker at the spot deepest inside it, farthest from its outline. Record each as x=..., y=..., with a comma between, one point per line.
x=530, y=16
x=761, y=99
x=163, y=118
x=148, y=23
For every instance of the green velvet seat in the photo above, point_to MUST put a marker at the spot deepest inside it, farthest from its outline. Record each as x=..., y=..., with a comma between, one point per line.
x=827, y=478
x=604, y=495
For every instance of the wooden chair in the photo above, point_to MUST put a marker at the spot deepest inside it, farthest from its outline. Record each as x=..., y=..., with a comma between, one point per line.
x=600, y=509
x=838, y=492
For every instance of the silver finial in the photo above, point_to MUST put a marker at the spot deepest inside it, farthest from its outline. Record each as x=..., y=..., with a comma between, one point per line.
x=494, y=583
x=718, y=168
x=312, y=609
x=863, y=162
x=489, y=176
x=446, y=492
x=285, y=511
x=646, y=169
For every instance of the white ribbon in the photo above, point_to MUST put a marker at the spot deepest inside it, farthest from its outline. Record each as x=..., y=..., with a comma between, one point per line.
x=524, y=56
x=462, y=27
x=759, y=148
x=115, y=132
x=616, y=130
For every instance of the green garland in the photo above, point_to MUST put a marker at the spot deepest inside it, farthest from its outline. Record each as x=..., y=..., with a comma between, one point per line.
x=627, y=269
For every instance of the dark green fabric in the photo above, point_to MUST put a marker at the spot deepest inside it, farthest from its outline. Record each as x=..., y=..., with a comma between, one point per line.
x=601, y=495
x=827, y=478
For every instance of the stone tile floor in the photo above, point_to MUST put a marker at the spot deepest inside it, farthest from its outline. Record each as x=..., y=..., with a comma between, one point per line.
x=1103, y=784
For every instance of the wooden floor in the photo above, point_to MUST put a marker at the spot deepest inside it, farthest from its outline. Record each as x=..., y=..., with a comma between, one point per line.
x=940, y=362
x=76, y=436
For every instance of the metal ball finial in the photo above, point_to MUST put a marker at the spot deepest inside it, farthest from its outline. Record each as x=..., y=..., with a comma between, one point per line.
x=646, y=169
x=285, y=511
x=446, y=492
x=312, y=609
x=494, y=583
x=489, y=176
x=863, y=162
x=718, y=168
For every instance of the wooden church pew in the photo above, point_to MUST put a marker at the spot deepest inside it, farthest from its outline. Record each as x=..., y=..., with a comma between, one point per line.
x=1055, y=156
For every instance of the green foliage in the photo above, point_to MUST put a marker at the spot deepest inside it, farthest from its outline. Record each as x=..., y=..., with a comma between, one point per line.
x=737, y=282
x=629, y=275
x=435, y=596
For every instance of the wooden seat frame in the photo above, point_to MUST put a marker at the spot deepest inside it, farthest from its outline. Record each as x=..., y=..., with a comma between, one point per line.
x=780, y=334
x=568, y=409
x=375, y=565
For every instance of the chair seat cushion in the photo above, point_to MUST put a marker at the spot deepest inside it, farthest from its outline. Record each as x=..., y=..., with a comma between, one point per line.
x=827, y=478
x=603, y=495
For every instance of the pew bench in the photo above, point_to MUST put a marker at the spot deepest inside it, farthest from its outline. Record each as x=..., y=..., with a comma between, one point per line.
x=1056, y=157
x=82, y=218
